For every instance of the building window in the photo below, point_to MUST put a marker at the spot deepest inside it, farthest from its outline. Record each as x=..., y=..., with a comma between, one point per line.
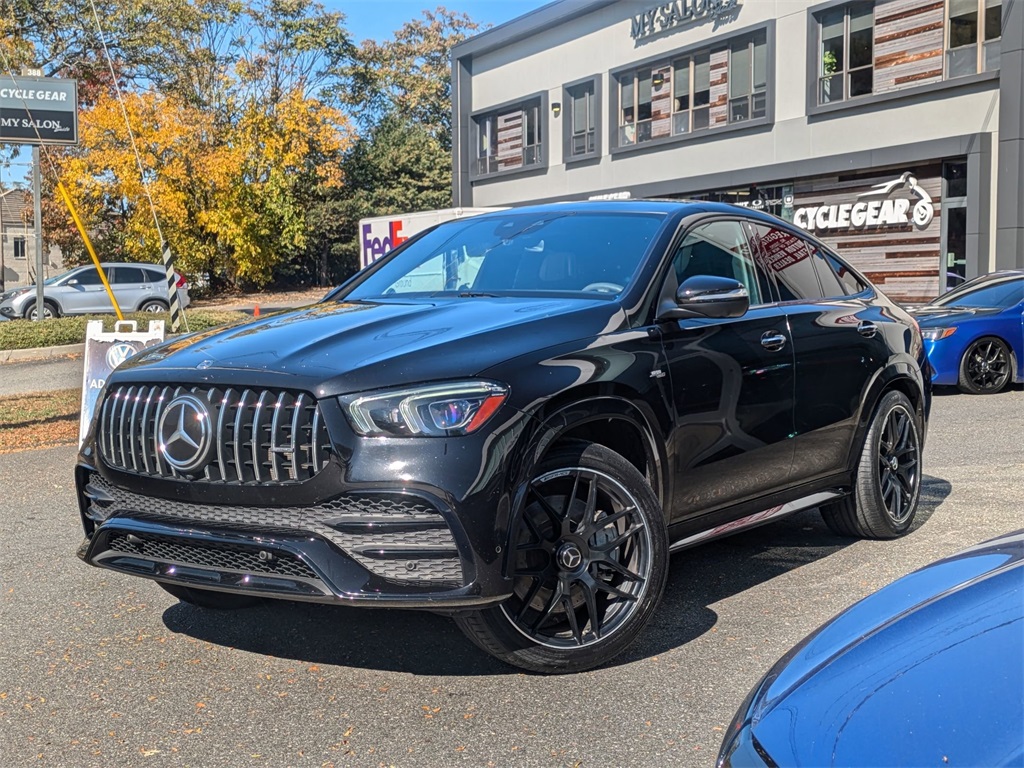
x=19, y=247
x=508, y=139
x=582, y=120
x=748, y=78
x=846, y=53
x=673, y=98
x=974, y=36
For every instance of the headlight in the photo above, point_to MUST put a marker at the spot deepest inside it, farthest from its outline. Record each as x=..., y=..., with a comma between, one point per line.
x=434, y=410
x=934, y=334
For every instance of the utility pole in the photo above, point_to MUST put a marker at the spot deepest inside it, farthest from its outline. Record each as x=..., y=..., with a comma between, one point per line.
x=3, y=268
x=37, y=215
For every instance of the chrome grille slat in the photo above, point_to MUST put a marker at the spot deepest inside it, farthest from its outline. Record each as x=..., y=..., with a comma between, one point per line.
x=143, y=438
x=257, y=428
x=125, y=397
x=260, y=436
x=224, y=407
x=315, y=452
x=275, y=426
x=133, y=431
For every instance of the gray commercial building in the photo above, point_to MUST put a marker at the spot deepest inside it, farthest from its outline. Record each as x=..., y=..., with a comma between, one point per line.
x=893, y=129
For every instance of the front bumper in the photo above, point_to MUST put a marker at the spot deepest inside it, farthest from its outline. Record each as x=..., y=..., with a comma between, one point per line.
x=411, y=523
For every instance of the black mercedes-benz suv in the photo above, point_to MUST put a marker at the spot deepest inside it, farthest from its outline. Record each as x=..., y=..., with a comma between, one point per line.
x=515, y=418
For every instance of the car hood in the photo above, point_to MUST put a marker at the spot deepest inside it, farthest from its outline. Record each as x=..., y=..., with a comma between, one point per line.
x=930, y=317
x=347, y=347
x=929, y=670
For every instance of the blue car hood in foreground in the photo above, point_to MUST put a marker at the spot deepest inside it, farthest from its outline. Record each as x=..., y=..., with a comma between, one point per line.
x=343, y=347
x=927, y=671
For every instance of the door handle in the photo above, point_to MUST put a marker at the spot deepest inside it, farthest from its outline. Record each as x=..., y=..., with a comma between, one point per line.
x=867, y=330
x=773, y=340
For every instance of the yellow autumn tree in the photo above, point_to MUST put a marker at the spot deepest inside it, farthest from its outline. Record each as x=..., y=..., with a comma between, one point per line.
x=229, y=194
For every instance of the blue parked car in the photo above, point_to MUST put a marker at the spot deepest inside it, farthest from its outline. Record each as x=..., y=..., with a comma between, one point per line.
x=974, y=335
x=928, y=671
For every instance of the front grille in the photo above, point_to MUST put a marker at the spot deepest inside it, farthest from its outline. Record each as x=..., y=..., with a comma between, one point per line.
x=258, y=436
x=218, y=556
x=394, y=536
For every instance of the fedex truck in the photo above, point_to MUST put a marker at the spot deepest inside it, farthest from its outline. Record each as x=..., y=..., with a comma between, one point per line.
x=380, y=234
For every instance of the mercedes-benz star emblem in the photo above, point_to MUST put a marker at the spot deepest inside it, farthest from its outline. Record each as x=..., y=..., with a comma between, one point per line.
x=185, y=433
x=570, y=557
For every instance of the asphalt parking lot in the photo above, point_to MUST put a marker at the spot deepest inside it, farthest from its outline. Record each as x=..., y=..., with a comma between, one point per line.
x=100, y=669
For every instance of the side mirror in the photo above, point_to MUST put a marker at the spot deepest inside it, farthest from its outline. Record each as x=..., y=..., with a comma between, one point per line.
x=72, y=281
x=708, y=296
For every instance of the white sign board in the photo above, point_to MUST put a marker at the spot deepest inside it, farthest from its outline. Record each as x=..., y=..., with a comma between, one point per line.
x=104, y=352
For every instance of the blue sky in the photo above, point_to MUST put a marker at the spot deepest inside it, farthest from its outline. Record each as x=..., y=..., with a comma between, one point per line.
x=378, y=19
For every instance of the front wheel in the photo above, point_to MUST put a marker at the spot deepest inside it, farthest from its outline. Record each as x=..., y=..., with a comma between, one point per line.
x=49, y=311
x=887, y=487
x=985, y=367
x=588, y=555
x=205, y=598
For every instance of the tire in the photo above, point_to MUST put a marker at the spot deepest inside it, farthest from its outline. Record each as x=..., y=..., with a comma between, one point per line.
x=153, y=305
x=986, y=367
x=588, y=555
x=887, y=486
x=50, y=310
x=205, y=598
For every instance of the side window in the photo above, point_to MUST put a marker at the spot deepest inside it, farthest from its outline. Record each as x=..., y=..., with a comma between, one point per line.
x=153, y=276
x=788, y=258
x=88, y=277
x=851, y=283
x=128, y=276
x=720, y=249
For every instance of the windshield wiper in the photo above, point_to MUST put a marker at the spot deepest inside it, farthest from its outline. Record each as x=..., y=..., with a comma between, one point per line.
x=476, y=295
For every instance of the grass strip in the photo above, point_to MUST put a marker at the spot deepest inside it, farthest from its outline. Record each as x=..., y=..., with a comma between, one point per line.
x=23, y=334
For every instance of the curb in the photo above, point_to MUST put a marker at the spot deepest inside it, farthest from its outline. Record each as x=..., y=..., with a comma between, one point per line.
x=40, y=353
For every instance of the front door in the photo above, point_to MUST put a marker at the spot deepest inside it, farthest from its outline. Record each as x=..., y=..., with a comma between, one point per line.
x=732, y=382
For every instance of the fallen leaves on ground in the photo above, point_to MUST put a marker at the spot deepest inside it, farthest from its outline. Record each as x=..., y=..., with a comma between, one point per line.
x=39, y=419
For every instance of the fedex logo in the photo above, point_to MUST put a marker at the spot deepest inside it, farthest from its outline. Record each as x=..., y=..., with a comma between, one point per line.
x=373, y=247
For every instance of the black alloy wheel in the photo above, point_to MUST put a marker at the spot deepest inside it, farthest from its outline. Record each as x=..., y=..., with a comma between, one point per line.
x=582, y=559
x=588, y=562
x=898, y=464
x=887, y=488
x=985, y=367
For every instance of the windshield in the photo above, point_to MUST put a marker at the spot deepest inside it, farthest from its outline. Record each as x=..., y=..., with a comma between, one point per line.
x=995, y=294
x=517, y=254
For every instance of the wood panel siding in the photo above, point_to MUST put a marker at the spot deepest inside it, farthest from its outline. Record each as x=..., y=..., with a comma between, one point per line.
x=719, y=87
x=908, y=43
x=904, y=261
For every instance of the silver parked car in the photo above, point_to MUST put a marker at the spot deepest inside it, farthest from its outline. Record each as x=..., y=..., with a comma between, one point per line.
x=138, y=288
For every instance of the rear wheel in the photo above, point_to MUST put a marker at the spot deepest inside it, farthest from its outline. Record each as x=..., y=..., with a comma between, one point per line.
x=153, y=306
x=888, y=483
x=588, y=555
x=985, y=367
x=205, y=598
x=49, y=311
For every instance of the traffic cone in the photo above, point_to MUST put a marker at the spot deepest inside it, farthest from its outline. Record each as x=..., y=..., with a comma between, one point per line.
x=256, y=311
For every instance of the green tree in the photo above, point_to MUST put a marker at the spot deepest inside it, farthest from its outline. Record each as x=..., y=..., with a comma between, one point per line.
x=399, y=167
x=409, y=75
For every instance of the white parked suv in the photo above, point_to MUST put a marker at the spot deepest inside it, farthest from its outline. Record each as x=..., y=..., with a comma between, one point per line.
x=138, y=288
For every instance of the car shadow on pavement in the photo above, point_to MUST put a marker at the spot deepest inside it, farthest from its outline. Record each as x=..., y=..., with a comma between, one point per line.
x=428, y=644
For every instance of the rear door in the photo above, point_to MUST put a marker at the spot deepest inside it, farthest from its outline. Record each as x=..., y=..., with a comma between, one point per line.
x=732, y=382
x=838, y=337
x=130, y=287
